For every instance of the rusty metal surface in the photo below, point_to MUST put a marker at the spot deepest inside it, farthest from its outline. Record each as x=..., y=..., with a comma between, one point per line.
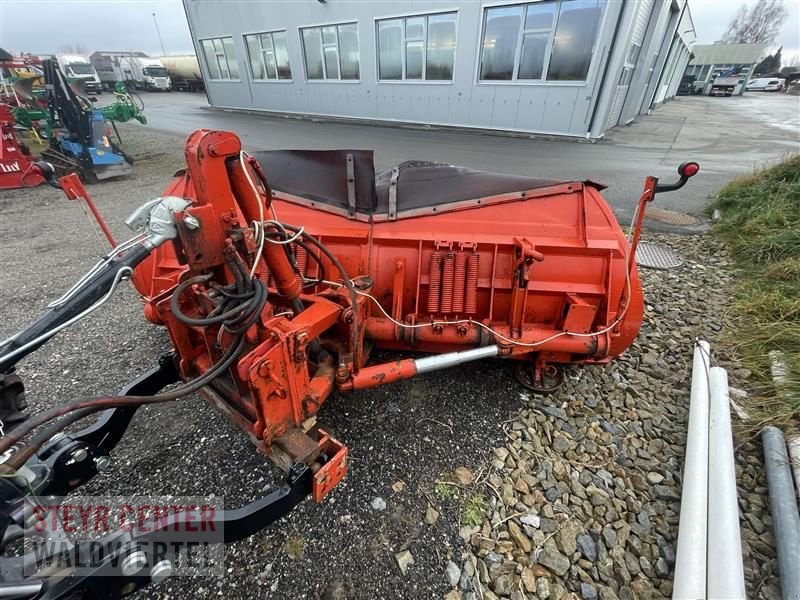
x=656, y=256
x=670, y=217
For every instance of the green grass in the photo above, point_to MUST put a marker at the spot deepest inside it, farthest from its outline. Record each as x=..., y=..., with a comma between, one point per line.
x=761, y=225
x=474, y=507
x=444, y=492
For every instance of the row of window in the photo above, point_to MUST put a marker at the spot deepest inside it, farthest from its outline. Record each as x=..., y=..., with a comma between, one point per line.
x=549, y=40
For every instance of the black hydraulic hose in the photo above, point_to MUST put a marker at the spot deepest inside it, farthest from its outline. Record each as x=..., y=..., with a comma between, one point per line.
x=347, y=283
x=101, y=403
x=258, y=303
x=313, y=256
x=232, y=313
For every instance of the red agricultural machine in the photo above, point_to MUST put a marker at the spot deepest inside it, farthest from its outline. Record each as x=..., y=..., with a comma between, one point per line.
x=15, y=161
x=276, y=273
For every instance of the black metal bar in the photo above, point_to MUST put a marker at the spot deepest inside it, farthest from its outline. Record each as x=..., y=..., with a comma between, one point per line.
x=107, y=431
x=107, y=579
x=684, y=177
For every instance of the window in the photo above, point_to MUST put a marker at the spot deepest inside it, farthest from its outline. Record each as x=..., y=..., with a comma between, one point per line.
x=221, y=58
x=419, y=48
x=269, y=55
x=331, y=51
x=549, y=40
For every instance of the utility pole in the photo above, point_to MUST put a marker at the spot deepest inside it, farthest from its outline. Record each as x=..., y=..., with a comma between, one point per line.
x=158, y=31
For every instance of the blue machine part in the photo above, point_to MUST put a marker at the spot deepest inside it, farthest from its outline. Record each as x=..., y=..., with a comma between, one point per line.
x=100, y=152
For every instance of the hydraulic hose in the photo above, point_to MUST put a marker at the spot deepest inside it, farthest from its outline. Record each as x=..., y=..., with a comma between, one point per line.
x=347, y=283
x=86, y=407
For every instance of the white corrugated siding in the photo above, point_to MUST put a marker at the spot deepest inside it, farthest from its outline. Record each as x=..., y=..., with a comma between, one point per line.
x=642, y=17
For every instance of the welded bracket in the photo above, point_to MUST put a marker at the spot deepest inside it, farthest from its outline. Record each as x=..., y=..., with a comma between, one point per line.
x=393, y=194
x=351, y=187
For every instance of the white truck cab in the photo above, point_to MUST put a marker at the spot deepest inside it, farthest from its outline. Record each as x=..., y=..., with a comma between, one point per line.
x=151, y=74
x=75, y=66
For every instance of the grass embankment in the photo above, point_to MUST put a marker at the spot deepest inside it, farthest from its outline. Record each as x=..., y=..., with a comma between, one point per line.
x=761, y=224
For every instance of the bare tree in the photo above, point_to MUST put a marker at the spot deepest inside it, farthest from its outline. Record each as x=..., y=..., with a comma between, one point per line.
x=759, y=24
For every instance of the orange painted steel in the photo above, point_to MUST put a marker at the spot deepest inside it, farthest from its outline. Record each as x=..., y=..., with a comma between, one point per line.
x=73, y=189
x=545, y=274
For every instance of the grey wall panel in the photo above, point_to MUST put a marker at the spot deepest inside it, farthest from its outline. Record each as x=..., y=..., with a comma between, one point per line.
x=460, y=103
x=481, y=105
x=439, y=106
x=505, y=108
x=530, y=113
x=558, y=107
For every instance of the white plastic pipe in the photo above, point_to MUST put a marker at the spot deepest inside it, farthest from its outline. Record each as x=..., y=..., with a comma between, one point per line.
x=725, y=567
x=690, y=557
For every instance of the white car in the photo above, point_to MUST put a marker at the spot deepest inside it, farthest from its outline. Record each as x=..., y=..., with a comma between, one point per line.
x=766, y=84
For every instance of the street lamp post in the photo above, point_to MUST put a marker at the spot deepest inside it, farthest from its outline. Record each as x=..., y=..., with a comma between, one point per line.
x=158, y=31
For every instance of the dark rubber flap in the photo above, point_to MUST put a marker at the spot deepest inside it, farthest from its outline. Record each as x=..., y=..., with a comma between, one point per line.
x=427, y=184
x=321, y=175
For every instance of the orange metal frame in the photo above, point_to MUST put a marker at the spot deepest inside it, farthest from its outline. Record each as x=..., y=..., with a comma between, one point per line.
x=547, y=275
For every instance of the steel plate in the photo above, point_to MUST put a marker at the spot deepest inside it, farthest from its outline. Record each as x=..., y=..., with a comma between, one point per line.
x=669, y=217
x=656, y=256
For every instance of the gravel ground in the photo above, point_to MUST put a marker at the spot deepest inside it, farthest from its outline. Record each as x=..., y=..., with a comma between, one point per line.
x=490, y=490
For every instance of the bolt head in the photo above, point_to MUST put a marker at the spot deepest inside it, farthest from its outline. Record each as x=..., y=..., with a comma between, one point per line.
x=191, y=222
x=79, y=455
x=102, y=463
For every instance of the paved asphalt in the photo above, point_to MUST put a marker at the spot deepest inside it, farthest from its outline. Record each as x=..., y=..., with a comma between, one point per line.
x=727, y=136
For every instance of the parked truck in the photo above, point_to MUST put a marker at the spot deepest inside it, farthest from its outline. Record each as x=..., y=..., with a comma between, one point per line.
x=134, y=69
x=184, y=71
x=80, y=68
x=728, y=83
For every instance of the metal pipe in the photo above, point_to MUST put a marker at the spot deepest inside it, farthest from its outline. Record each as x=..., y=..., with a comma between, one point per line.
x=724, y=564
x=20, y=590
x=690, y=557
x=783, y=508
x=369, y=377
x=450, y=359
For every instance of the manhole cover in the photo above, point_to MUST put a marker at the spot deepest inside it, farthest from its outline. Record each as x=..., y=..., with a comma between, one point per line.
x=656, y=256
x=670, y=217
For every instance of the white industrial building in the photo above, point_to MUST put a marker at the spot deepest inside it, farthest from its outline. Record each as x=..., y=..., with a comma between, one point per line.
x=558, y=67
x=711, y=60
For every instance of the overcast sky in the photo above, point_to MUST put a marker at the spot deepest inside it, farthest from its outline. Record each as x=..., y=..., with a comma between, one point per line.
x=48, y=26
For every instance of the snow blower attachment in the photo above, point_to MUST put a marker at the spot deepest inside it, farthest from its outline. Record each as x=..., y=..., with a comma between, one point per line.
x=276, y=273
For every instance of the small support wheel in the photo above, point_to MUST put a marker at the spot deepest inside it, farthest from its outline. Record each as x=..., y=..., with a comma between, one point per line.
x=542, y=379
